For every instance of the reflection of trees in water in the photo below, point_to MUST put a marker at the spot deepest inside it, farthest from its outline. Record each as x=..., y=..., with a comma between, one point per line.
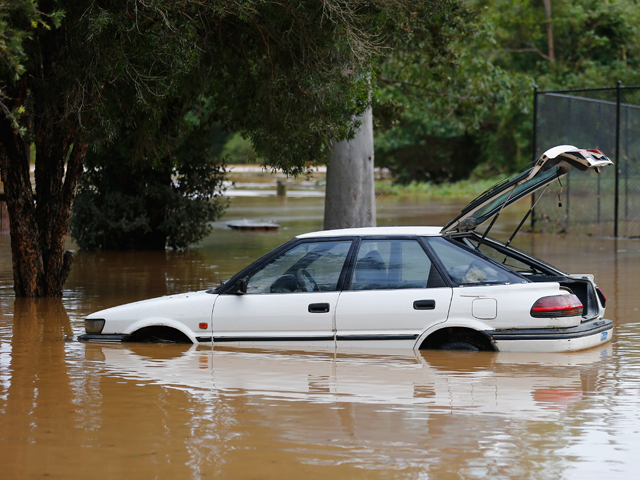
x=39, y=402
x=61, y=415
x=162, y=432
x=104, y=279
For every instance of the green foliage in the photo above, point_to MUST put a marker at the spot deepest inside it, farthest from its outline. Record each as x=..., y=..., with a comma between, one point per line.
x=19, y=19
x=124, y=203
x=477, y=105
x=294, y=75
x=595, y=43
x=449, y=94
x=238, y=150
x=289, y=76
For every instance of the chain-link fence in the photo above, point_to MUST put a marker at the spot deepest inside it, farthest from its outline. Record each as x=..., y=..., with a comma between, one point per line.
x=608, y=119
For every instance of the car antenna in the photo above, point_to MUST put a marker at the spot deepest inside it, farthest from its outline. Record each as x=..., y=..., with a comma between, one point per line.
x=484, y=235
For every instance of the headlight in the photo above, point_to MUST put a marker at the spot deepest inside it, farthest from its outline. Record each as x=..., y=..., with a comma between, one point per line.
x=93, y=325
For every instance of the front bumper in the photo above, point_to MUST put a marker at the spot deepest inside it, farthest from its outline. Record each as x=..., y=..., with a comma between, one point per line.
x=99, y=337
x=581, y=337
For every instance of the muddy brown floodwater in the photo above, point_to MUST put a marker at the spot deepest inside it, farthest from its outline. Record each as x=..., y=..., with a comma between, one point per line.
x=74, y=410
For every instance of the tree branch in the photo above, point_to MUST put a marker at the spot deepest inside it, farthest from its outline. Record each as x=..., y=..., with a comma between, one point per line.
x=532, y=48
x=427, y=92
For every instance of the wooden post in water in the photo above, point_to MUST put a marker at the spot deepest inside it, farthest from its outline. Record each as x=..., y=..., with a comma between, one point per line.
x=281, y=189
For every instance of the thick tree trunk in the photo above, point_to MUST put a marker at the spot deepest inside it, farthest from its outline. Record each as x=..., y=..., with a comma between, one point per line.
x=350, y=192
x=39, y=220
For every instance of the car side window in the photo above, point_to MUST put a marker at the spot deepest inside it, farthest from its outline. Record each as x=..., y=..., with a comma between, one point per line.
x=468, y=268
x=393, y=264
x=306, y=267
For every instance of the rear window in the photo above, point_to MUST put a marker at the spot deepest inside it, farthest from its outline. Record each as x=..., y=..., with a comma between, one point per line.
x=467, y=267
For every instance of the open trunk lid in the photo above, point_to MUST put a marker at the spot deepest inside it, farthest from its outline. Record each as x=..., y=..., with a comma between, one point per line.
x=552, y=164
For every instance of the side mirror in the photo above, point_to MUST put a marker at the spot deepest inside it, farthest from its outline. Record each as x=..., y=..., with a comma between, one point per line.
x=241, y=285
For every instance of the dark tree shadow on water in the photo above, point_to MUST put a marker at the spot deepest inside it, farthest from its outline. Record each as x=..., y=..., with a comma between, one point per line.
x=105, y=279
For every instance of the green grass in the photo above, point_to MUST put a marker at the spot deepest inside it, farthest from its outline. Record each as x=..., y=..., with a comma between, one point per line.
x=463, y=188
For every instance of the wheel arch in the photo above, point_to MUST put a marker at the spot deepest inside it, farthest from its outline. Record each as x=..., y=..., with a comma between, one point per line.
x=437, y=339
x=162, y=329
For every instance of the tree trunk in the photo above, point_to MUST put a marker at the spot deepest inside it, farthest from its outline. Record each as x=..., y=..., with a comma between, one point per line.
x=350, y=193
x=39, y=220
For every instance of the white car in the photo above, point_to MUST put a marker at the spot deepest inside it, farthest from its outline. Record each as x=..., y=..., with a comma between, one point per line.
x=445, y=288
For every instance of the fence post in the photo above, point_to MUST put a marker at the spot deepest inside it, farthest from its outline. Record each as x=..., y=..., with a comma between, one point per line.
x=533, y=149
x=617, y=167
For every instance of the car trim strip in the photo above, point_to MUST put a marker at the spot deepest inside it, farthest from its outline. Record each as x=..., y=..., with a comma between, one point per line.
x=310, y=338
x=377, y=337
x=267, y=339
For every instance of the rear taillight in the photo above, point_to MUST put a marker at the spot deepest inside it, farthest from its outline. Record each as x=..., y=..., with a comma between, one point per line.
x=557, y=306
x=603, y=299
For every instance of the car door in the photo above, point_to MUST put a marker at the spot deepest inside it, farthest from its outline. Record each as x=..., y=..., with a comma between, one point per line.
x=290, y=299
x=394, y=294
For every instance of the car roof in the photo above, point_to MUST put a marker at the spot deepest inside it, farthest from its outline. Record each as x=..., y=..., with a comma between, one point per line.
x=380, y=231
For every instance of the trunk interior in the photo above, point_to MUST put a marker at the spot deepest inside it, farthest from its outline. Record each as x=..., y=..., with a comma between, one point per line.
x=583, y=289
x=534, y=269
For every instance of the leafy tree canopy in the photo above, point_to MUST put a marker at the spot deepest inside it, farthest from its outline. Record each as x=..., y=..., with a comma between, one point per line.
x=291, y=95
x=444, y=98
x=123, y=202
x=481, y=111
x=594, y=43
x=290, y=76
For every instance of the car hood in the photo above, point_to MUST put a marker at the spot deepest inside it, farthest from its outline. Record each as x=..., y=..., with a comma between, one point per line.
x=552, y=165
x=177, y=305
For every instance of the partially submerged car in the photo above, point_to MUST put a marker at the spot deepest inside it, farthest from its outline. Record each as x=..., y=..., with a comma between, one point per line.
x=392, y=287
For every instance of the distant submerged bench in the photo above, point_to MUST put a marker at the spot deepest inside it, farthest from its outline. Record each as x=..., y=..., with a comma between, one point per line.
x=247, y=225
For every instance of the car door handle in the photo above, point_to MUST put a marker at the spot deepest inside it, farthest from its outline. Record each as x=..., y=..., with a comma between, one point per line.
x=424, y=304
x=319, y=307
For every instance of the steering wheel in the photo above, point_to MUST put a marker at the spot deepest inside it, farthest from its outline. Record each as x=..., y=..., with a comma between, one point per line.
x=306, y=282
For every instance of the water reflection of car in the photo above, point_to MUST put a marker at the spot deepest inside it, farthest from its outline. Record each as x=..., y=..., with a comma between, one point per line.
x=398, y=287
x=508, y=384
